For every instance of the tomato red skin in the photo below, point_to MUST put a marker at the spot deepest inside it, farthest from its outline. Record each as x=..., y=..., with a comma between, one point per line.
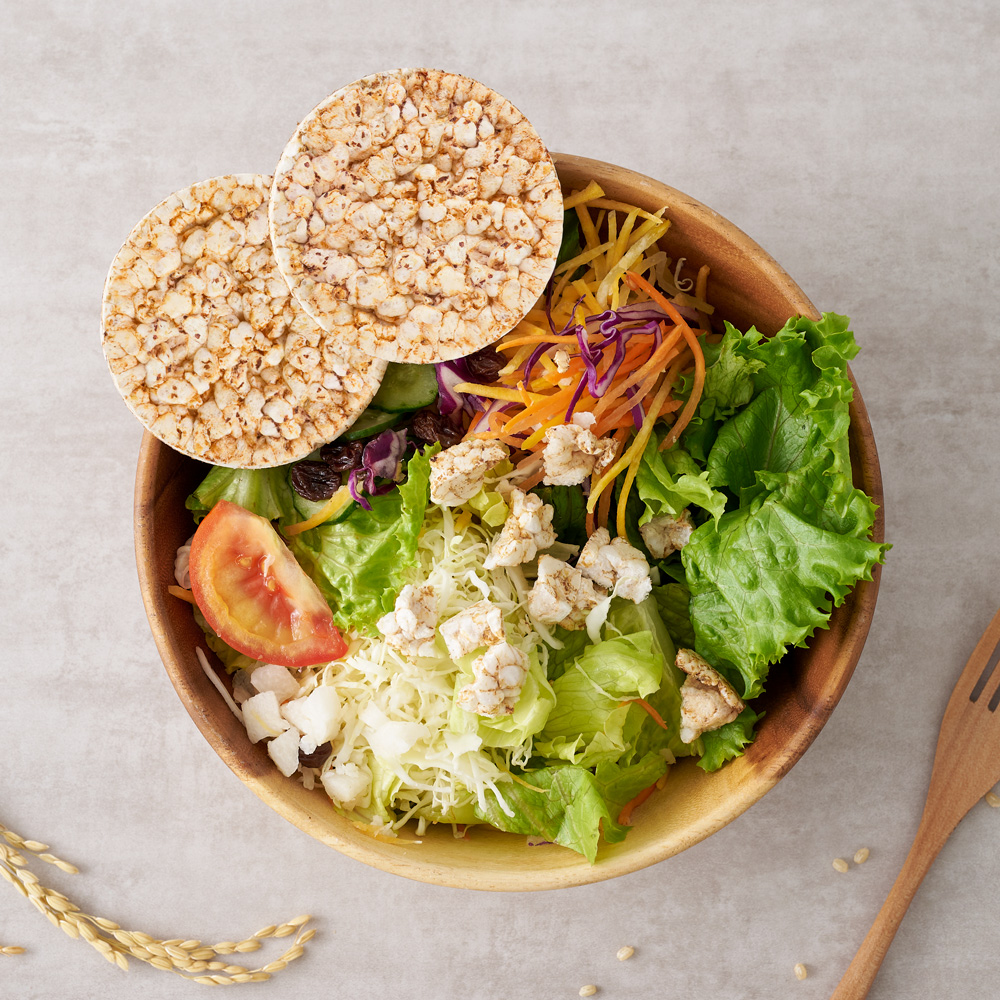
x=239, y=561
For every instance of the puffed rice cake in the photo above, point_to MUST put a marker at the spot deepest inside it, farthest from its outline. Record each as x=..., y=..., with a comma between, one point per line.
x=208, y=347
x=416, y=214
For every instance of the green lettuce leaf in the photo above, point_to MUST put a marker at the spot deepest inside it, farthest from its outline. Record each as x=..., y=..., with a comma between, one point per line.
x=573, y=806
x=728, y=385
x=673, y=601
x=589, y=723
x=569, y=512
x=569, y=247
x=729, y=380
x=728, y=741
x=266, y=492
x=574, y=641
x=759, y=582
x=628, y=618
x=360, y=562
x=668, y=482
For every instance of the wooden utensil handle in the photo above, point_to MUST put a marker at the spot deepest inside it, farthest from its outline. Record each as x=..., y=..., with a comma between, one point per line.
x=861, y=973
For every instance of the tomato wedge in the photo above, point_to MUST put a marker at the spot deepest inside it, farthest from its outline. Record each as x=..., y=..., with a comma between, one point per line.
x=255, y=595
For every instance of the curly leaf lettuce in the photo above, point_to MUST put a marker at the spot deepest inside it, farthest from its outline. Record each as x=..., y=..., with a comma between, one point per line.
x=766, y=575
x=668, y=482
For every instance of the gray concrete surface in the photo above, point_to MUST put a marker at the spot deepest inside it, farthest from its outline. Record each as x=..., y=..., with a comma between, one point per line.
x=856, y=142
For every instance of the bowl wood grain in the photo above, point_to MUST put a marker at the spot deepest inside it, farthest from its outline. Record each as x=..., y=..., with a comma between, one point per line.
x=748, y=288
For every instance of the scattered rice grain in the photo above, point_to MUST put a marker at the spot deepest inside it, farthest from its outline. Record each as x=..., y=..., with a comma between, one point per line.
x=992, y=799
x=861, y=856
x=625, y=953
x=840, y=864
x=588, y=991
x=801, y=971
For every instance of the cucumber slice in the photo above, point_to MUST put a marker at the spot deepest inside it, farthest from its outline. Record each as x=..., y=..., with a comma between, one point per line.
x=370, y=422
x=406, y=387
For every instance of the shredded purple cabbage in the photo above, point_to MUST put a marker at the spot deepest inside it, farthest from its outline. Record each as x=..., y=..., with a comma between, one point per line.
x=352, y=485
x=383, y=454
x=481, y=368
x=450, y=401
x=381, y=459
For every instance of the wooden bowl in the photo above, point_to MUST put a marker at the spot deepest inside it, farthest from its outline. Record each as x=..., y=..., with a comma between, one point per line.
x=747, y=287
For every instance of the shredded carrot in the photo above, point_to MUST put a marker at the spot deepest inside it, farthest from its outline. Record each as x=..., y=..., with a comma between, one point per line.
x=603, y=509
x=566, y=338
x=638, y=447
x=656, y=363
x=495, y=392
x=653, y=714
x=184, y=595
x=589, y=193
x=532, y=481
x=619, y=437
x=699, y=383
x=520, y=356
x=637, y=281
x=613, y=418
x=670, y=406
x=625, y=816
x=587, y=226
x=536, y=438
x=700, y=290
x=552, y=404
x=333, y=506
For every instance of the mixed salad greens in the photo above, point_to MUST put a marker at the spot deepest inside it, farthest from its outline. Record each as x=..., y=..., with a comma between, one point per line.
x=742, y=437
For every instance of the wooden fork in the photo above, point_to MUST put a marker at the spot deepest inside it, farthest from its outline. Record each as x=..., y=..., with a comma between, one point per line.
x=966, y=767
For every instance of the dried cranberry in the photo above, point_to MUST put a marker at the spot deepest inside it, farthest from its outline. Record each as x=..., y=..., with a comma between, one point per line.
x=315, y=480
x=343, y=457
x=432, y=427
x=485, y=364
x=318, y=757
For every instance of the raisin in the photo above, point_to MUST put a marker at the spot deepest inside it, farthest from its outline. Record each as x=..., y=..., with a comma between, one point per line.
x=318, y=757
x=315, y=480
x=432, y=427
x=343, y=457
x=485, y=364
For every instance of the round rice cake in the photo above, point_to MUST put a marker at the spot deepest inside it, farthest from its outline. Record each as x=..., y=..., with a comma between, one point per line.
x=208, y=347
x=417, y=214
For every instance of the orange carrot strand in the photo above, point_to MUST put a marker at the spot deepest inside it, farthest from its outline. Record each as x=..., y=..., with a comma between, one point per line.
x=699, y=383
x=625, y=816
